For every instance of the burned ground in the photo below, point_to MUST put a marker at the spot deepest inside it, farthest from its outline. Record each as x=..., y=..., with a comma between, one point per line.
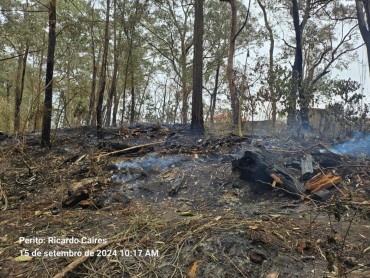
x=179, y=195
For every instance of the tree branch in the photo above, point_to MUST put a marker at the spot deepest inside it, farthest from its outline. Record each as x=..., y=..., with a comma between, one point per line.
x=18, y=55
x=287, y=44
x=245, y=21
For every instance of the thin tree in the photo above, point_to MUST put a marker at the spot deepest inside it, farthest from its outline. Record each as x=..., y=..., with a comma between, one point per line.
x=48, y=101
x=212, y=106
x=230, y=62
x=103, y=76
x=197, y=122
x=132, y=110
x=19, y=87
x=271, y=76
x=91, y=117
x=116, y=52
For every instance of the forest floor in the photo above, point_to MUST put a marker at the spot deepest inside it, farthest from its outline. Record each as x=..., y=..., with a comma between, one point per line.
x=172, y=207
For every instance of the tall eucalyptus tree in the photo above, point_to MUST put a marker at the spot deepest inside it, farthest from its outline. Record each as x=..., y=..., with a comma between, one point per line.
x=103, y=75
x=48, y=101
x=197, y=121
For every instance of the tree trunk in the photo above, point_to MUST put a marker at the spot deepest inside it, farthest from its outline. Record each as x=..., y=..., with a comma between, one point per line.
x=92, y=115
x=116, y=51
x=116, y=98
x=185, y=89
x=197, y=122
x=103, y=76
x=66, y=99
x=141, y=99
x=91, y=119
x=129, y=36
x=48, y=101
x=212, y=106
x=297, y=68
x=271, y=77
x=7, y=118
x=19, y=86
x=132, y=112
x=17, y=96
x=363, y=8
x=230, y=63
x=163, y=118
x=37, y=114
x=185, y=105
x=112, y=96
x=243, y=89
x=176, y=107
x=125, y=82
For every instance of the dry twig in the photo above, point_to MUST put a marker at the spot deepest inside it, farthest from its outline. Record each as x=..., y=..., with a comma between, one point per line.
x=127, y=149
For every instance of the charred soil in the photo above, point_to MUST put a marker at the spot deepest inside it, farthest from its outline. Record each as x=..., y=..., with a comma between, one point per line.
x=154, y=201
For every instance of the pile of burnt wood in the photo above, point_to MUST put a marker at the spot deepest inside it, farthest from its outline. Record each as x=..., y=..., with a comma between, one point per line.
x=315, y=179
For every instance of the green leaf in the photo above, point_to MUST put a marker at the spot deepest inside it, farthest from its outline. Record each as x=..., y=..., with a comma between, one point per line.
x=23, y=259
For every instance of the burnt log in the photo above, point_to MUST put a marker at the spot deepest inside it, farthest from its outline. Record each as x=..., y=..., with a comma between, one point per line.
x=255, y=166
x=75, y=198
x=306, y=166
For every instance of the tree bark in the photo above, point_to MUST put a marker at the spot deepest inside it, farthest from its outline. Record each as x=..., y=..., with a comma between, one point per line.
x=37, y=114
x=91, y=119
x=297, y=68
x=7, y=118
x=363, y=8
x=185, y=90
x=176, y=106
x=132, y=110
x=212, y=106
x=230, y=63
x=271, y=77
x=163, y=118
x=92, y=105
x=48, y=101
x=103, y=76
x=116, y=99
x=116, y=51
x=197, y=121
x=66, y=99
x=130, y=38
x=19, y=86
x=128, y=61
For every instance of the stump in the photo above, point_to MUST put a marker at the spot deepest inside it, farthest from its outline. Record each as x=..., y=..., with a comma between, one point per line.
x=255, y=166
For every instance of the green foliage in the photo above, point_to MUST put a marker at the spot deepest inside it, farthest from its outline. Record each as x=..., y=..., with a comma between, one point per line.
x=345, y=102
x=158, y=36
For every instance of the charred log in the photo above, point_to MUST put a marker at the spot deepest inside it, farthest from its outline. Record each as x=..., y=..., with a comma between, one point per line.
x=256, y=167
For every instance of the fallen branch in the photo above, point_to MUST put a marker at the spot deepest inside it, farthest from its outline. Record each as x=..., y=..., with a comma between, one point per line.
x=127, y=149
x=321, y=182
x=329, y=183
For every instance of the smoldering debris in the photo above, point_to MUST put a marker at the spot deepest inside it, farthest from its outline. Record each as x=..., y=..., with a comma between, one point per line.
x=357, y=146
